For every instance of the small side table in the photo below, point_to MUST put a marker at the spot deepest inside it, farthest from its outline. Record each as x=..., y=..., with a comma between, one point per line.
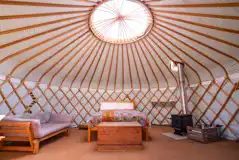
x=1, y=141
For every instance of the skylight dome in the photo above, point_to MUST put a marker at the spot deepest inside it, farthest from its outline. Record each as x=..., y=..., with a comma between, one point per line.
x=121, y=21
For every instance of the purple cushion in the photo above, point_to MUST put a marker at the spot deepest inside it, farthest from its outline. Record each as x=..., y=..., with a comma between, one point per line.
x=48, y=128
x=60, y=118
x=44, y=117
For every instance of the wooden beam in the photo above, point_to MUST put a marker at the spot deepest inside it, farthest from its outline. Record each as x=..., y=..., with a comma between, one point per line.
x=199, y=24
x=195, y=50
x=38, y=44
x=97, y=46
x=42, y=52
x=110, y=68
x=197, y=32
x=199, y=5
x=57, y=52
x=197, y=14
x=37, y=25
x=86, y=40
x=159, y=56
x=199, y=42
x=39, y=4
x=91, y=64
x=93, y=74
x=103, y=69
x=174, y=53
x=38, y=34
x=9, y=17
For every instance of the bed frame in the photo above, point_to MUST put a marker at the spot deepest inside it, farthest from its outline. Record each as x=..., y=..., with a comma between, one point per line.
x=113, y=105
x=23, y=128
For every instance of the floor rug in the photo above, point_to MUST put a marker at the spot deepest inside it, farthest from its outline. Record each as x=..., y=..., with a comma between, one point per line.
x=174, y=136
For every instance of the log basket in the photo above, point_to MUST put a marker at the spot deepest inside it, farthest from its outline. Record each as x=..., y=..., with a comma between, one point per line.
x=206, y=135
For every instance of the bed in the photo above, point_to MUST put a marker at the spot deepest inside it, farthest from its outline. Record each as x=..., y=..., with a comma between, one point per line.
x=117, y=111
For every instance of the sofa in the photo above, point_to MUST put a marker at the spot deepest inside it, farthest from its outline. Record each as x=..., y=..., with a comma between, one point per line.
x=33, y=128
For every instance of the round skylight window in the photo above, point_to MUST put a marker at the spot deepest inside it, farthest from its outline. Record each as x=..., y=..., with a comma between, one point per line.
x=121, y=21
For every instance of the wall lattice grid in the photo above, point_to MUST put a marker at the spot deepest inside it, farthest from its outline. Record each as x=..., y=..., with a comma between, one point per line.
x=214, y=103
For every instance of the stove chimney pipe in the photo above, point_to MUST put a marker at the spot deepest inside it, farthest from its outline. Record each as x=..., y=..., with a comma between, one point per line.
x=183, y=92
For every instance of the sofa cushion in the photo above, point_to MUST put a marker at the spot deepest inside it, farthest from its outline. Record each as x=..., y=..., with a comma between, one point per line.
x=44, y=117
x=60, y=118
x=48, y=128
x=25, y=116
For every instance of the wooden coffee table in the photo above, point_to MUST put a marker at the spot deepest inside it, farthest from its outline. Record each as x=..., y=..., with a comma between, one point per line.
x=119, y=136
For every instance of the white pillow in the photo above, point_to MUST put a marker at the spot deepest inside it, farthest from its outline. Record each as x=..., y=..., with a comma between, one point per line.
x=117, y=106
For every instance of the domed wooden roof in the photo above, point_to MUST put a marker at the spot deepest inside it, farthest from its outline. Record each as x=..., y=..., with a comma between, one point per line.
x=50, y=41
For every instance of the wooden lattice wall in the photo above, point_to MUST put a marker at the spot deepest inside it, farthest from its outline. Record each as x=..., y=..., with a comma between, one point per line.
x=213, y=103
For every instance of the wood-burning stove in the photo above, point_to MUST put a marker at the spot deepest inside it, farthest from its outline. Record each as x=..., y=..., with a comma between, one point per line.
x=180, y=123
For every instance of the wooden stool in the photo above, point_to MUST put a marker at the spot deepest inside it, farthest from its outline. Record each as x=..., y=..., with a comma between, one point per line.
x=1, y=141
x=146, y=132
x=89, y=132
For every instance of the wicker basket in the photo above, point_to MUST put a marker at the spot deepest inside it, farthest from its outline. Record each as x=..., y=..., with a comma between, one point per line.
x=205, y=135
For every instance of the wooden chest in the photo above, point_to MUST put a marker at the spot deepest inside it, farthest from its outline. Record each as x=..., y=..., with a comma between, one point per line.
x=119, y=136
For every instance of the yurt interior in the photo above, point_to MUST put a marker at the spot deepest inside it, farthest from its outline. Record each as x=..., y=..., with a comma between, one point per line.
x=119, y=79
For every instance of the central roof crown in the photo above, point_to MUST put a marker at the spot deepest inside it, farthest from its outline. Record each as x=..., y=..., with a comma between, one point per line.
x=121, y=21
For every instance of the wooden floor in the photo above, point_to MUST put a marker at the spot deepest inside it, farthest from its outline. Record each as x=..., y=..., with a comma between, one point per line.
x=75, y=147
